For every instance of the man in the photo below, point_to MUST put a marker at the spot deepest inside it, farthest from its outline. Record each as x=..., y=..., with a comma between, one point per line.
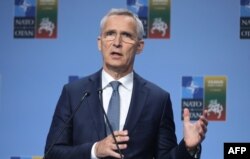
x=146, y=129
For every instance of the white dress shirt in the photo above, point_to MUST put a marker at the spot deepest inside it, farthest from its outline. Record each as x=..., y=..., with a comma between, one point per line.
x=125, y=92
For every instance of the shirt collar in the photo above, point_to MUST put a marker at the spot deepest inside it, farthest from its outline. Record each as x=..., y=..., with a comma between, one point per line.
x=126, y=81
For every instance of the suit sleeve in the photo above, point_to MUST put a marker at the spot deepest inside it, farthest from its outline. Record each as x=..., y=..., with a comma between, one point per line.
x=167, y=142
x=64, y=147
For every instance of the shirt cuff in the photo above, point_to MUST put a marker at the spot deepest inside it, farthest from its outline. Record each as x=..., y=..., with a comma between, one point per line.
x=93, y=155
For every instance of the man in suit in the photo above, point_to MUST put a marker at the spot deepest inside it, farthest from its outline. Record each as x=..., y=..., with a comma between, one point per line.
x=146, y=129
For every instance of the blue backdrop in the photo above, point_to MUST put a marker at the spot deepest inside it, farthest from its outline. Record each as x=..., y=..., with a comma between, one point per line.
x=204, y=41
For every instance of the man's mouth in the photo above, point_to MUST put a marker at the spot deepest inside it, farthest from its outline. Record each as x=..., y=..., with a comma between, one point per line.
x=116, y=54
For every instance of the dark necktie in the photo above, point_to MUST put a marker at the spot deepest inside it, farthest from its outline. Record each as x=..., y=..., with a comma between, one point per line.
x=114, y=107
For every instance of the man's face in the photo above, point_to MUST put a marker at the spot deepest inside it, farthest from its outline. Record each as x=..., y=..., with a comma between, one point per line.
x=119, y=44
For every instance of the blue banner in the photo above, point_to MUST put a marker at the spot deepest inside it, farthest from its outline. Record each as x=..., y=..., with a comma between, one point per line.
x=245, y=19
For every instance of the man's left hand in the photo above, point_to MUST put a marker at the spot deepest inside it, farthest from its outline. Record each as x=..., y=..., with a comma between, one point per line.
x=194, y=133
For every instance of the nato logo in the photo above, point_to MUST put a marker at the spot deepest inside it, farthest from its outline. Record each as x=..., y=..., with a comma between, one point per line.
x=192, y=96
x=140, y=7
x=192, y=87
x=245, y=8
x=245, y=2
x=25, y=8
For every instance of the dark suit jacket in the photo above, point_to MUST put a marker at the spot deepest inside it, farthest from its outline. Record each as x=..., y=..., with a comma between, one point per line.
x=149, y=122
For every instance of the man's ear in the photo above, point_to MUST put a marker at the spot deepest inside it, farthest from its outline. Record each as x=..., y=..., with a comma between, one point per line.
x=99, y=43
x=140, y=46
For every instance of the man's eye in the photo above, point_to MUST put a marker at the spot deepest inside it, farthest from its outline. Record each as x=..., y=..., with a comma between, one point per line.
x=128, y=35
x=110, y=33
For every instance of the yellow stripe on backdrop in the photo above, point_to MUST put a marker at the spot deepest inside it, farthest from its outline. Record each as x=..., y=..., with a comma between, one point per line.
x=37, y=157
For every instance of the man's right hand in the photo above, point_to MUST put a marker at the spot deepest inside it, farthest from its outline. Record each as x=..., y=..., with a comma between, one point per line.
x=107, y=146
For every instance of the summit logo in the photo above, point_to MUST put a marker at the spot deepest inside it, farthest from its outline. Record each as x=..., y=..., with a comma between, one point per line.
x=199, y=93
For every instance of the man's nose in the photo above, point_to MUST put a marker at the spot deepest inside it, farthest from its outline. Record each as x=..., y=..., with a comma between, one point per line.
x=118, y=40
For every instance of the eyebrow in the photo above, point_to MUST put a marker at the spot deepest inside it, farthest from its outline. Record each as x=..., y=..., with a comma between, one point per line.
x=122, y=32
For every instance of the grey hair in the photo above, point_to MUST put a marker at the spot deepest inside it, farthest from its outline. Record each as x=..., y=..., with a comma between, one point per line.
x=139, y=25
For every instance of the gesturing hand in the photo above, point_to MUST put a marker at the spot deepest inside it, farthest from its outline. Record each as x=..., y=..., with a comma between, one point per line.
x=107, y=146
x=194, y=133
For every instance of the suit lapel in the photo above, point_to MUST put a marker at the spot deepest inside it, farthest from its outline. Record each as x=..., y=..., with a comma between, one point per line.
x=138, y=99
x=95, y=104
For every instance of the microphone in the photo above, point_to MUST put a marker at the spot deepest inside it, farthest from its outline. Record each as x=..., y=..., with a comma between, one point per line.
x=108, y=123
x=86, y=93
